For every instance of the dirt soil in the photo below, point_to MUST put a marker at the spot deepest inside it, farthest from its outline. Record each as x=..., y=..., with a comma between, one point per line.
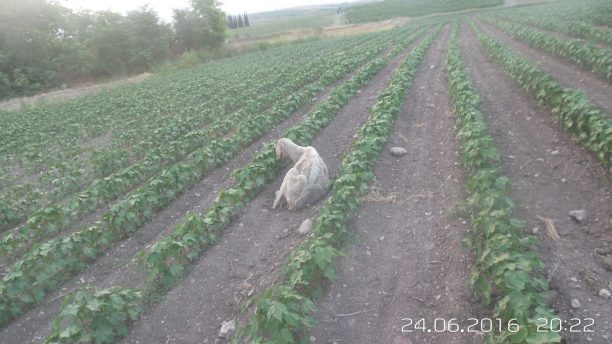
x=407, y=260
x=118, y=266
x=566, y=73
x=550, y=175
x=58, y=96
x=248, y=256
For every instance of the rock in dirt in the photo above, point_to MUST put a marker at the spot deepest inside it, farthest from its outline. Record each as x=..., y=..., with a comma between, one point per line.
x=575, y=303
x=605, y=293
x=305, y=227
x=398, y=151
x=578, y=215
x=227, y=329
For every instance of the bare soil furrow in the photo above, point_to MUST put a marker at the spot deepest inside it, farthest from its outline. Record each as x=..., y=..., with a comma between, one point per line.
x=407, y=260
x=566, y=73
x=250, y=251
x=550, y=175
x=119, y=265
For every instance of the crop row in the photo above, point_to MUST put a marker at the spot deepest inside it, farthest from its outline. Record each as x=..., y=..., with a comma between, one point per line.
x=592, y=12
x=50, y=220
x=151, y=112
x=503, y=264
x=49, y=264
x=574, y=28
x=598, y=60
x=167, y=260
x=591, y=125
x=284, y=311
x=154, y=100
x=67, y=174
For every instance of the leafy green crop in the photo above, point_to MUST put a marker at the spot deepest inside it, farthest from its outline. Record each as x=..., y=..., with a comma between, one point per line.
x=550, y=21
x=51, y=263
x=583, y=53
x=285, y=310
x=96, y=317
x=168, y=259
x=504, y=265
x=591, y=125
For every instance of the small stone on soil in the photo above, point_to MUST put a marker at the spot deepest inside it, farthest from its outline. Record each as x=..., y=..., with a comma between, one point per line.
x=555, y=152
x=382, y=238
x=305, y=227
x=227, y=329
x=574, y=279
x=313, y=339
x=605, y=293
x=575, y=303
x=578, y=215
x=398, y=151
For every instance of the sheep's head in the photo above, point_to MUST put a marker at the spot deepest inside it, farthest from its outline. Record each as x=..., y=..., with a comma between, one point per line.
x=285, y=148
x=279, y=149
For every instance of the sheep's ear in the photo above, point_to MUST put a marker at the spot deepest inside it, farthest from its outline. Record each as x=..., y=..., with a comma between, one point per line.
x=279, y=151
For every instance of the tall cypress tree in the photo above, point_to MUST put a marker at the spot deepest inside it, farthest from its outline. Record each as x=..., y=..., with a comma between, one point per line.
x=240, y=21
x=246, y=20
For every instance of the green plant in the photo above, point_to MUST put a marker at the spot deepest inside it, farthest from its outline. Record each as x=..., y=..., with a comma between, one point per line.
x=583, y=53
x=96, y=316
x=311, y=263
x=590, y=124
x=503, y=263
x=169, y=259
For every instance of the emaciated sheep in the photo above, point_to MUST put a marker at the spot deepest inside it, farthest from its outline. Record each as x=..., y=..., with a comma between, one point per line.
x=308, y=180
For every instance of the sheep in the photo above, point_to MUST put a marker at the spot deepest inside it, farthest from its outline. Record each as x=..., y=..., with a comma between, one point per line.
x=306, y=182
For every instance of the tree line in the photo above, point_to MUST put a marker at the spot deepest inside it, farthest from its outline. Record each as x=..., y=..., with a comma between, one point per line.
x=44, y=45
x=236, y=22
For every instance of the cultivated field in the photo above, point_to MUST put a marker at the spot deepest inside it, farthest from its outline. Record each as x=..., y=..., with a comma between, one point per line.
x=143, y=213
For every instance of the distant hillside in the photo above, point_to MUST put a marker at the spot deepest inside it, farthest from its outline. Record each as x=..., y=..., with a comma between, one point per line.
x=411, y=8
x=305, y=11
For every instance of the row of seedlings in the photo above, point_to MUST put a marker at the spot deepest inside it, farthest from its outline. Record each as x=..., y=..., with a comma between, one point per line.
x=550, y=21
x=585, y=54
x=50, y=264
x=16, y=205
x=284, y=311
x=591, y=125
x=168, y=259
x=53, y=219
x=503, y=264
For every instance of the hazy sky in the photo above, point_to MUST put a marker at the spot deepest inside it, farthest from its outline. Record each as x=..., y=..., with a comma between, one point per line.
x=164, y=7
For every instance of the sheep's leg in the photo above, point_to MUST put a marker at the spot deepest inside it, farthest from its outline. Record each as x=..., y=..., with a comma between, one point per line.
x=296, y=192
x=278, y=201
x=282, y=192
